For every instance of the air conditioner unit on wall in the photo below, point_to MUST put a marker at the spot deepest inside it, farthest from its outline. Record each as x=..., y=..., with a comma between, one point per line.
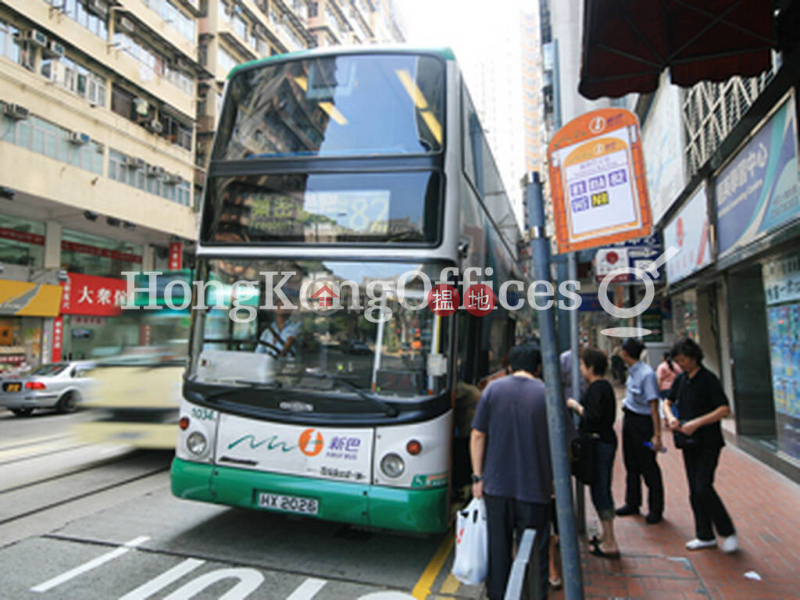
x=155, y=171
x=136, y=164
x=79, y=139
x=173, y=178
x=155, y=126
x=98, y=7
x=126, y=24
x=16, y=112
x=34, y=36
x=54, y=50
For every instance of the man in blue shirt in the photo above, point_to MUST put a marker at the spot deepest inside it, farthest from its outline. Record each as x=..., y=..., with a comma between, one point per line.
x=641, y=427
x=510, y=452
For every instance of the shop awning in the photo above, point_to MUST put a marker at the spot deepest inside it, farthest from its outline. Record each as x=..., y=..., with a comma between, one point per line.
x=628, y=43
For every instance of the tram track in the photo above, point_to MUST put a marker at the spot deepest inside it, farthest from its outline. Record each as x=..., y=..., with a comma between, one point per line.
x=71, y=471
x=34, y=497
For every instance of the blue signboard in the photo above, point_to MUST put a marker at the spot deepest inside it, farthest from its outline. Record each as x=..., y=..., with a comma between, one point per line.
x=758, y=190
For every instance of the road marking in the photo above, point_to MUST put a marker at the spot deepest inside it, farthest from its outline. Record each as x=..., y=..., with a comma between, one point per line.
x=423, y=587
x=34, y=440
x=159, y=583
x=450, y=585
x=308, y=589
x=88, y=566
x=249, y=580
x=33, y=451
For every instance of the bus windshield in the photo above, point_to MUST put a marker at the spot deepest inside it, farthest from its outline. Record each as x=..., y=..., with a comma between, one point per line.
x=347, y=105
x=324, y=208
x=320, y=341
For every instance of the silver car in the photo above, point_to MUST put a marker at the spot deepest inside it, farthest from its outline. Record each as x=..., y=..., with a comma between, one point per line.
x=56, y=385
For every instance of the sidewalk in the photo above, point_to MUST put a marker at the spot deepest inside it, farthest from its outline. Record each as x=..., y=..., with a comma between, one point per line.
x=765, y=507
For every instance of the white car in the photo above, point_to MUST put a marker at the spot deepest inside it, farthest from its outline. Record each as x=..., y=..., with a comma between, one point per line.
x=56, y=385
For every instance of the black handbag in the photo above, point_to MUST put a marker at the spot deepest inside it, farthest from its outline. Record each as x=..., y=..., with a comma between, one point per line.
x=683, y=441
x=584, y=456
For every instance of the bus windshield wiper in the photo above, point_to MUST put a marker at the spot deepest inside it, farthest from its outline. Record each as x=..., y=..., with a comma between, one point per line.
x=375, y=401
x=243, y=383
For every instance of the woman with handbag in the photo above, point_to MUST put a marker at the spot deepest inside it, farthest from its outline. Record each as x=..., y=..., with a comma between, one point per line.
x=597, y=409
x=701, y=405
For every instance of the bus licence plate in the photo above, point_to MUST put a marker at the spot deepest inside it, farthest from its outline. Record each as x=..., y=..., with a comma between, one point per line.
x=293, y=504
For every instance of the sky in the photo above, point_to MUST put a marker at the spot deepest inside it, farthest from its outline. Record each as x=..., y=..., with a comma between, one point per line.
x=455, y=23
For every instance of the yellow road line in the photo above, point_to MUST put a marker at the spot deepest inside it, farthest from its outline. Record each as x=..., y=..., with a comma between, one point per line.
x=423, y=587
x=450, y=585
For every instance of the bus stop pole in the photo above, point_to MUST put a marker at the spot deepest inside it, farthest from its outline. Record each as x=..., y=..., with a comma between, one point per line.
x=580, y=494
x=556, y=412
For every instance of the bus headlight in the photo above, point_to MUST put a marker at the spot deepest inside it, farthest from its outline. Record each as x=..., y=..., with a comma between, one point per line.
x=196, y=443
x=392, y=466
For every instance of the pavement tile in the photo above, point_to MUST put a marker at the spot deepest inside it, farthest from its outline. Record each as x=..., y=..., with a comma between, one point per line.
x=655, y=563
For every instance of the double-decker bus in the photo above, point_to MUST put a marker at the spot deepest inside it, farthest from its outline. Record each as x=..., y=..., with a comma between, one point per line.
x=350, y=177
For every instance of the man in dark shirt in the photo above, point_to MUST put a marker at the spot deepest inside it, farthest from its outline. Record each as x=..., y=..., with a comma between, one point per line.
x=701, y=405
x=510, y=451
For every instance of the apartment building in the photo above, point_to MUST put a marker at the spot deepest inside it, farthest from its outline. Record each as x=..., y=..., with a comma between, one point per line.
x=108, y=108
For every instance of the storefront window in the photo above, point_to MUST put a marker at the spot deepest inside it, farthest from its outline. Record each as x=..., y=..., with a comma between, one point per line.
x=21, y=242
x=782, y=294
x=93, y=255
x=20, y=344
x=684, y=315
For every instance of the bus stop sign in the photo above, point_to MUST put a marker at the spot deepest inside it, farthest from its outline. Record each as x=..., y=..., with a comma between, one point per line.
x=597, y=181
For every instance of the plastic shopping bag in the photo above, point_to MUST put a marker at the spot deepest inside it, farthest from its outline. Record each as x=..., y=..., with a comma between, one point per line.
x=472, y=544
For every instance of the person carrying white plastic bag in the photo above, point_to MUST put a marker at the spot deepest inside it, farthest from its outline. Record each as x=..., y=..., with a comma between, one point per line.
x=511, y=472
x=472, y=544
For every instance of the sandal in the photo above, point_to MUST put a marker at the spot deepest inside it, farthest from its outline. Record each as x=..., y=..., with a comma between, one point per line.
x=598, y=551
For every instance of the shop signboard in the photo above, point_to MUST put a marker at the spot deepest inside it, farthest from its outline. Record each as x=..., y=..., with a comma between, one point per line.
x=758, y=190
x=175, y=256
x=58, y=339
x=597, y=181
x=28, y=299
x=662, y=140
x=782, y=280
x=634, y=254
x=689, y=233
x=91, y=295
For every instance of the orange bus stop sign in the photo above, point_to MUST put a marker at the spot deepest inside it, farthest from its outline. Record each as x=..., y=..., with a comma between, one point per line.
x=597, y=181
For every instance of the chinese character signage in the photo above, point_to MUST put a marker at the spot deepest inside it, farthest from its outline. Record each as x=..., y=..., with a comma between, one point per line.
x=58, y=339
x=689, y=233
x=758, y=191
x=598, y=181
x=782, y=280
x=92, y=296
x=175, y=256
x=28, y=299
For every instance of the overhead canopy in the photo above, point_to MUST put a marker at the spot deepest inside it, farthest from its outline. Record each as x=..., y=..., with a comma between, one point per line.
x=628, y=43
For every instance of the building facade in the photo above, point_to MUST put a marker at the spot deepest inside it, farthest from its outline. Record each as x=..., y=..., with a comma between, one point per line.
x=108, y=109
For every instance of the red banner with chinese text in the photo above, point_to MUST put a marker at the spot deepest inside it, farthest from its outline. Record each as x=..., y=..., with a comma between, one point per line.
x=58, y=339
x=175, y=256
x=92, y=295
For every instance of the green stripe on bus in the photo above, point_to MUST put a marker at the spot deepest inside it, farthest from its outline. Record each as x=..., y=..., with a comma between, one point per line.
x=445, y=52
x=400, y=509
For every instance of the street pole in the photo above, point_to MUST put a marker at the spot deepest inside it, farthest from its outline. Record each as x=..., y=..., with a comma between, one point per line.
x=556, y=413
x=580, y=494
x=572, y=274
